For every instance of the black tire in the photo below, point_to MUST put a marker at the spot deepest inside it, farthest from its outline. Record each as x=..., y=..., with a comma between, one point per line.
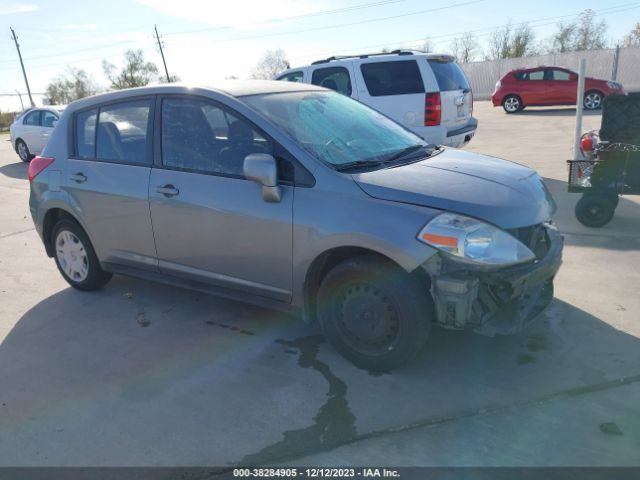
x=595, y=210
x=23, y=151
x=95, y=277
x=512, y=104
x=592, y=100
x=397, y=308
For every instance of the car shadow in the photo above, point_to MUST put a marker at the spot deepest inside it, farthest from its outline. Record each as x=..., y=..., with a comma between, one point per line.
x=15, y=170
x=555, y=112
x=160, y=376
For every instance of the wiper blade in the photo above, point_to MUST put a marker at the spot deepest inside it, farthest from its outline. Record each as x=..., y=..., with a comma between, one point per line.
x=358, y=164
x=404, y=152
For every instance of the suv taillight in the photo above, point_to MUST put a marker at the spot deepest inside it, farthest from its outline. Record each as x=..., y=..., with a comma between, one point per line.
x=432, y=109
x=37, y=165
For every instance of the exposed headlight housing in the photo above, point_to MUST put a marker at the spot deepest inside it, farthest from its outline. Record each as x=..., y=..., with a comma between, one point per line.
x=475, y=241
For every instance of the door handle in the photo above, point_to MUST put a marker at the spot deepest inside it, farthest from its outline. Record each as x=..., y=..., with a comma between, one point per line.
x=78, y=177
x=168, y=190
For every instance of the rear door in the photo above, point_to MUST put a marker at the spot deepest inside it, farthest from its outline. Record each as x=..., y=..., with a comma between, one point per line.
x=394, y=87
x=336, y=77
x=107, y=178
x=49, y=120
x=455, y=92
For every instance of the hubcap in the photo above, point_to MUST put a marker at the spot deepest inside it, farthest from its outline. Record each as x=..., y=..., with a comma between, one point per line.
x=72, y=256
x=22, y=151
x=512, y=104
x=592, y=101
x=367, y=317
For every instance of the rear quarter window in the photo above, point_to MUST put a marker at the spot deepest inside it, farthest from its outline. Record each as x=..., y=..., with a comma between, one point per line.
x=449, y=76
x=392, y=78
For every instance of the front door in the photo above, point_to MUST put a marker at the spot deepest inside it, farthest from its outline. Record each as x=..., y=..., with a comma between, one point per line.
x=210, y=223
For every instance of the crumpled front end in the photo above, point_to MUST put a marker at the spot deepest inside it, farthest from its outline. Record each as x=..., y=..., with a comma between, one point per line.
x=498, y=300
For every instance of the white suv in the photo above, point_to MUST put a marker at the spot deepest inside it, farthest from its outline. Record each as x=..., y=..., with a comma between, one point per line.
x=427, y=93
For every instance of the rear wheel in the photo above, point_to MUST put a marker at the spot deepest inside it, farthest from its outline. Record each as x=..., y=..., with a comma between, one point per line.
x=592, y=100
x=595, y=210
x=374, y=313
x=75, y=257
x=23, y=151
x=512, y=104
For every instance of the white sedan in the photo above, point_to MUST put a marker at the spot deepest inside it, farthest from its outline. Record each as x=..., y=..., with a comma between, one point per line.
x=30, y=131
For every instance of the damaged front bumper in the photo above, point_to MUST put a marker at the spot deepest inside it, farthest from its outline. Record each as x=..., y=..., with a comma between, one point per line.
x=495, y=301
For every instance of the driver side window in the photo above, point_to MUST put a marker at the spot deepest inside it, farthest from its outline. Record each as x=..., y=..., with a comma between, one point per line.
x=200, y=136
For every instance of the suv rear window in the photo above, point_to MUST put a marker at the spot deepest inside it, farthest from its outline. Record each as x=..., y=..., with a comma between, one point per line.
x=449, y=76
x=392, y=78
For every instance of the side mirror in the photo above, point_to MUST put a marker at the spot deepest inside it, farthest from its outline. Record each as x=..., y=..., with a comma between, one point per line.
x=263, y=169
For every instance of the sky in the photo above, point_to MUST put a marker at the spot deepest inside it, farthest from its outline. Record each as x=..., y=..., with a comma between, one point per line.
x=207, y=41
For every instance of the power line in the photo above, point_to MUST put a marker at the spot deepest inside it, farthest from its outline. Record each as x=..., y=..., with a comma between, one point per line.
x=330, y=27
x=296, y=17
x=602, y=12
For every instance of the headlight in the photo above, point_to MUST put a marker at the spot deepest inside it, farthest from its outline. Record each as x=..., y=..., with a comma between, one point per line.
x=614, y=85
x=474, y=241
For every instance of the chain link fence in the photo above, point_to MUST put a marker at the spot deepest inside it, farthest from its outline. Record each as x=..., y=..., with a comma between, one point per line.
x=600, y=64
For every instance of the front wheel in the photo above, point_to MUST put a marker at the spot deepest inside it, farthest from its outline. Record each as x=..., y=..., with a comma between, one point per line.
x=23, y=151
x=595, y=210
x=374, y=313
x=592, y=100
x=75, y=257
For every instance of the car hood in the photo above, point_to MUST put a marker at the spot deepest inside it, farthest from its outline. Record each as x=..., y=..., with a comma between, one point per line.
x=504, y=193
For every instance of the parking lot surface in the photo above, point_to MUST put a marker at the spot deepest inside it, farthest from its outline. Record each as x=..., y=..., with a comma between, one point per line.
x=145, y=374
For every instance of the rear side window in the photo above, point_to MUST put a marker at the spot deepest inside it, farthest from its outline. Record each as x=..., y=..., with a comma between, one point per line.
x=122, y=132
x=392, y=78
x=48, y=118
x=334, y=78
x=292, y=77
x=200, y=136
x=32, y=119
x=449, y=76
x=86, y=134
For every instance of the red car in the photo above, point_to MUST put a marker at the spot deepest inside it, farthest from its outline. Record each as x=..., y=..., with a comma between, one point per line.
x=542, y=86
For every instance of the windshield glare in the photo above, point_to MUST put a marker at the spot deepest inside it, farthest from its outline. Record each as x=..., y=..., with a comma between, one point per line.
x=334, y=128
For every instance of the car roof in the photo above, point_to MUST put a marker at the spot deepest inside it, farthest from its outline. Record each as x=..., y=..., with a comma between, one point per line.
x=234, y=88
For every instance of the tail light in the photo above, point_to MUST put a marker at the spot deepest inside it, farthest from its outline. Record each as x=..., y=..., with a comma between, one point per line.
x=37, y=165
x=432, y=109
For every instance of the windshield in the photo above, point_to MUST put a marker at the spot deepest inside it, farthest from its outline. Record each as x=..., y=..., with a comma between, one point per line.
x=334, y=128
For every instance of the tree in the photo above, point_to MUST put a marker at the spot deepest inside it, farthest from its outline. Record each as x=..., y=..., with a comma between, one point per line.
x=633, y=39
x=427, y=46
x=173, y=78
x=590, y=34
x=135, y=73
x=75, y=84
x=562, y=40
x=507, y=42
x=584, y=34
x=272, y=63
x=464, y=48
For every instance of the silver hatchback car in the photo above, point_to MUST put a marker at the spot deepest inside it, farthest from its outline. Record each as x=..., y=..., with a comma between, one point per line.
x=294, y=196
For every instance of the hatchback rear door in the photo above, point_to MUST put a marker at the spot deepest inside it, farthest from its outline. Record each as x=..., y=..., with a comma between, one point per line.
x=455, y=92
x=107, y=178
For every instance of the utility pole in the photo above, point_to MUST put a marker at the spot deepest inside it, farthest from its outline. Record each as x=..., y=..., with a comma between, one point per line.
x=15, y=39
x=616, y=58
x=157, y=37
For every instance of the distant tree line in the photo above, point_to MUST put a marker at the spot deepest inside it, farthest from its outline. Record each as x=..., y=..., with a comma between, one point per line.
x=509, y=41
